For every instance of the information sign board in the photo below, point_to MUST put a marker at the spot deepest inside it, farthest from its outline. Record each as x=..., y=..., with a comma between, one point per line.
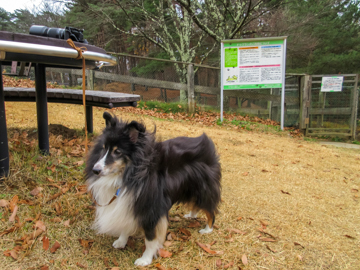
x=332, y=84
x=253, y=63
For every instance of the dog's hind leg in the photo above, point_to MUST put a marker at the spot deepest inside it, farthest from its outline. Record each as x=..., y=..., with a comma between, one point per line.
x=192, y=214
x=121, y=242
x=210, y=223
x=153, y=245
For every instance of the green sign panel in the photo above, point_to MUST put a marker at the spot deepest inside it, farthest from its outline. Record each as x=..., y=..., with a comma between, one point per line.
x=231, y=57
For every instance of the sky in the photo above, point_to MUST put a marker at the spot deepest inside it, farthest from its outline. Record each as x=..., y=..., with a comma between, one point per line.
x=11, y=5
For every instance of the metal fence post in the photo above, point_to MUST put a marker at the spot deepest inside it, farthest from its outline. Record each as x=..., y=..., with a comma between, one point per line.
x=190, y=88
x=4, y=147
x=355, y=100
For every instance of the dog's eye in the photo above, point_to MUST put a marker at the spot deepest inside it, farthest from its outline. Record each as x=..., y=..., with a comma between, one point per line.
x=117, y=152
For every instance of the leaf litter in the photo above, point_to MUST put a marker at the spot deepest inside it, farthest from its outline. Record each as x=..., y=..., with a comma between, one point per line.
x=182, y=247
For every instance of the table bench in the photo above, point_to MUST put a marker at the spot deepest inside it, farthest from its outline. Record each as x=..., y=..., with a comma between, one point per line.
x=93, y=98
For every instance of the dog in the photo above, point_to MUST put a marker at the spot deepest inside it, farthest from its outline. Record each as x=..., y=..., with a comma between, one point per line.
x=135, y=180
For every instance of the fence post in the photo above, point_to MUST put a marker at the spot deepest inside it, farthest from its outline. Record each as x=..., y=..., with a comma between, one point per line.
x=305, y=86
x=90, y=79
x=355, y=100
x=190, y=88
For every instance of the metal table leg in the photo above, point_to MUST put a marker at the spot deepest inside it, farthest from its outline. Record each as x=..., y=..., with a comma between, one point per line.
x=4, y=147
x=89, y=119
x=41, y=108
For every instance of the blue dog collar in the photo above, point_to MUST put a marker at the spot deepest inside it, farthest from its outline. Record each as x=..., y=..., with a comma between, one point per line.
x=117, y=192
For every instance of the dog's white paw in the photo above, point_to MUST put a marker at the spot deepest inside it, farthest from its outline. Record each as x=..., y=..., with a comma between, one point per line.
x=143, y=261
x=120, y=243
x=207, y=229
x=190, y=215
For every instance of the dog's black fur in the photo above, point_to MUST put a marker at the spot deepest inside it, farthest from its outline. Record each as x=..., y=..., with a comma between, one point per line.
x=160, y=174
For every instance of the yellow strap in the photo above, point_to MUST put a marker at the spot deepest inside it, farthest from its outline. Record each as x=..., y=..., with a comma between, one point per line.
x=80, y=50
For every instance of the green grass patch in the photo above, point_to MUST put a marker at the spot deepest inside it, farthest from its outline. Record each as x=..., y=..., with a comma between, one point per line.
x=171, y=107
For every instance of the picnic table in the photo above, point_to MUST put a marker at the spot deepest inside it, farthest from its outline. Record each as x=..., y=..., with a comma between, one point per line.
x=45, y=52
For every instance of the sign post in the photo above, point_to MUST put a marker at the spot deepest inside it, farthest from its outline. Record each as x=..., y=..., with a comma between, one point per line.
x=253, y=63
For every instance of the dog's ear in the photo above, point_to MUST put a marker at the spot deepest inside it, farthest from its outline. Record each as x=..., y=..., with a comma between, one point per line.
x=134, y=129
x=110, y=121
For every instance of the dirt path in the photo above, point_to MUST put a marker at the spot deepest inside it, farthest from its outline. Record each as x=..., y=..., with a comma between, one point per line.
x=297, y=202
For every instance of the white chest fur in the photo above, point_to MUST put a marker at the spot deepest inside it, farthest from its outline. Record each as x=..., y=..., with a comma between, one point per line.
x=117, y=217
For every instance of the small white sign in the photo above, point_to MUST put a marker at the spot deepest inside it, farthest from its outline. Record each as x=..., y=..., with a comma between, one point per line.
x=332, y=84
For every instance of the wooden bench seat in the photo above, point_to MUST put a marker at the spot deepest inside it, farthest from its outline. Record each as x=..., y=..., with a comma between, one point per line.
x=93, y=98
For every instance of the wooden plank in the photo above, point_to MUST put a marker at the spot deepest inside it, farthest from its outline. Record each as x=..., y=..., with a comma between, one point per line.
x=255, y=95
x=330, y=111
x=91, y=95
x=330, y=134
x=334, y=75
x=141, y=81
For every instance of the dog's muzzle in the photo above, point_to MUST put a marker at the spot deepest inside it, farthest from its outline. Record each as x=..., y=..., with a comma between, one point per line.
x=96, y=169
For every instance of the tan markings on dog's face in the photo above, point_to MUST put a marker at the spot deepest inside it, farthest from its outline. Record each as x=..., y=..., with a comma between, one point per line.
x=117, y=166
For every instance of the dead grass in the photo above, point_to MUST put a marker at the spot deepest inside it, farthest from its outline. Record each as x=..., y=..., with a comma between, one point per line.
x=301, y=196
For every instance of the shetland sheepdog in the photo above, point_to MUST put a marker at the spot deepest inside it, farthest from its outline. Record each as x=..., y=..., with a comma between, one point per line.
x=135, y=180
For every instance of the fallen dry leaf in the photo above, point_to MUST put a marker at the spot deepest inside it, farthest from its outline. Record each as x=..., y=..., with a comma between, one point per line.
x=194, y=224
x=13, y=215
x=272, y=250
x=175, y=219
x=226, y=266
x=185, y=231
x=159, y=266
x=55, y=247
x=80, y=265
x=208, y=250
x=39, y=224
x=267, y=239
x=244, y=259
x=4, y=203
x=245, y=173
x=236, y=231
x=86, y=243
x=67, y=223
x=114, y=262
x=164, y=253
x=36, y=191
x=284, y=192
x=8, y=231
x=56, y=219
x=167, y=244
x=44, y=267
x=106, y=262
x=46, y=242
x=218, y=262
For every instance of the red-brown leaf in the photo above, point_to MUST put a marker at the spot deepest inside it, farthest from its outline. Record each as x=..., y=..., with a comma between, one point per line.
x=46, y=242
x=194, y=224
x=159, y=266
x=204, y=247
x=55, y=247
x=185, y=231
x=164, y=253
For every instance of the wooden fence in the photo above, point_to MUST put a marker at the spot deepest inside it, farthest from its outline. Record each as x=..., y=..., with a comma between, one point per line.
x=298, y=102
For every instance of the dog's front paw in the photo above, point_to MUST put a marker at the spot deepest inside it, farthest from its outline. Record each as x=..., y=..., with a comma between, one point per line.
x=207, y=229
x=143, y=261
x=120, y=243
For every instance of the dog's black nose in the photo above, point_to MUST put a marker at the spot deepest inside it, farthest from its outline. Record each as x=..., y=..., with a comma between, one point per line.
x=96, y=171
